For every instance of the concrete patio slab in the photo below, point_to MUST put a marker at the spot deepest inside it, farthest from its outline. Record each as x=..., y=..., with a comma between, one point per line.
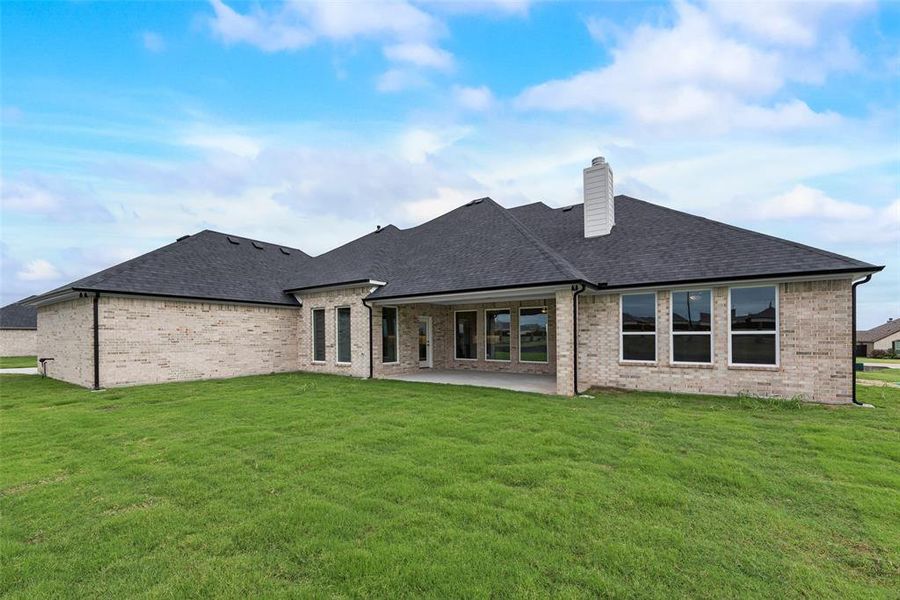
x=519, y=382
x=19, y=371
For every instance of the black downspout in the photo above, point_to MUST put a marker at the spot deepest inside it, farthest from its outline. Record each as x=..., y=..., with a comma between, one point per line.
x=853, y=350
x=371, y=358
x=575, y=332
x=96, y=303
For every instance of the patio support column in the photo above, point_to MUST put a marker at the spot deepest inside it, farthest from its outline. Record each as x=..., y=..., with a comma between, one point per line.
x=565, y=343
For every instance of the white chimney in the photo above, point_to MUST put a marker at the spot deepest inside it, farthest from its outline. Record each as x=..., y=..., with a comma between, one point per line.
x=599, y=203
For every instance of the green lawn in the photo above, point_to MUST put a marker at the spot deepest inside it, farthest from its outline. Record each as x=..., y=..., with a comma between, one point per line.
x=11, y=362
x=313, y=485
x=893, y=361
x=889, y=375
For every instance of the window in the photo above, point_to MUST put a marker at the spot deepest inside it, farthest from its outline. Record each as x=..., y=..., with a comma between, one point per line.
x=497, y=324
x=692, y=326
x=342, y=314
x=753, y=324
x=466, y=323
x=318, y=334
x=389, y=348
x=533, y=334
x=639, y=327
x=895, y=345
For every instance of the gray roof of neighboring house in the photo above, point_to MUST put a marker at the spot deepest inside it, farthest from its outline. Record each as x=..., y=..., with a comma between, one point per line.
x=18, y=316
x=477, y=246
x=880, y=332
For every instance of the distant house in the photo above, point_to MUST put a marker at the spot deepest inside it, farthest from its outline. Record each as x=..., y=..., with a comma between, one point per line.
x=611, y=292
x=885, y=337
x=18, y=329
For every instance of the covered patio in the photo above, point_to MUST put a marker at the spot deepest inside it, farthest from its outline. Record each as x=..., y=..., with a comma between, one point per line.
x=518, y=382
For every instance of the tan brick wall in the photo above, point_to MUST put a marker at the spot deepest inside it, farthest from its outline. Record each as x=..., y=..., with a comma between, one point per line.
x=18, y=342
x=815, y=339
x=359, y=326
x=66, y=334
x=886, y=343
x=152, y=341
x=408, y=322
x=565, y=343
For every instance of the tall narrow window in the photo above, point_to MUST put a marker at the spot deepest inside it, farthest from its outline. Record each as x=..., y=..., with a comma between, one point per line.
x=639, y=327
x=692, y=326
x=533, y=334
x=465, y=326
x=389, y=334
x=754, y=325
x=318, y=334
x=343, y=334
x=497, y=324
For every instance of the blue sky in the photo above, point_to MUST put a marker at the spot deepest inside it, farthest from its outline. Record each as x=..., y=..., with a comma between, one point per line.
x=126, y=125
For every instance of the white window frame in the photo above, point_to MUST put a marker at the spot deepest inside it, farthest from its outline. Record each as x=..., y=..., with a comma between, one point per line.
x=623, y=333
x=312, y=329
x=519, y=327
x=777, y=331
x=500, y=360
x=337, y=337
x=396, y=337
x=455, y=353
x=710, y=333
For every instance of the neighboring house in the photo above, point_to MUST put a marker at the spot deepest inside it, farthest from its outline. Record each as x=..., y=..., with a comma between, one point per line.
x=613, y=292
x=18, y=329
x=884, y=337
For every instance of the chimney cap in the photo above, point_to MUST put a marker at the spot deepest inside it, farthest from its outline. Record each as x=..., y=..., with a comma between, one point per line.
x=596, y=162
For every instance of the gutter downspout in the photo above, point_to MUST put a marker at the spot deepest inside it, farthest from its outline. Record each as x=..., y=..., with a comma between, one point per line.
x=96, y=306
x=853, y=349
x=371, y=358
x=576, y=291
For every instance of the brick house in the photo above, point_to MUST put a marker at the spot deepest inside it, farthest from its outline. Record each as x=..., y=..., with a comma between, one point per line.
x=18, y=330
x=613, y=291
x=884, y=337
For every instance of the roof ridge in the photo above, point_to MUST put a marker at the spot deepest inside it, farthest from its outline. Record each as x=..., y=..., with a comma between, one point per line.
x=819, y=251
x=557, y=259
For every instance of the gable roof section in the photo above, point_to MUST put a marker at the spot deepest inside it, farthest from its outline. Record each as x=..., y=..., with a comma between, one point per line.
x=18, y=316
x=654, y=245
x=208, y=265
x=879, y=333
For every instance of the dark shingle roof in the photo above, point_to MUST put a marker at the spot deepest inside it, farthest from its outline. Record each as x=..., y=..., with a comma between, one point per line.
x=651, y=244
x=476, y=246
x=208, y=265
x=880, y=332
x=18, y=316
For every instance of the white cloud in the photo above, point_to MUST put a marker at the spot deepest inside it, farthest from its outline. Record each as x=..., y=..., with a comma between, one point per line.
x=474, y=98
x=444, y=201
x=399, y=80
x=221, y=141
x=153, y=42
x=417, y=144
x=54, y=198
x=420, y=55
x=270, y=32
x=38, y=270
x=806, y=202
x=693, y=73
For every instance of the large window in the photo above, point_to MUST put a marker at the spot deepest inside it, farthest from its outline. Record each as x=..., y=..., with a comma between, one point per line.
x=497, y=325
x=342, y=314
x=692, y=326
x=753, y=324
x=318, y=334
x=639, y=327
x=533, y=334
x=389, y=334
x=466, y=331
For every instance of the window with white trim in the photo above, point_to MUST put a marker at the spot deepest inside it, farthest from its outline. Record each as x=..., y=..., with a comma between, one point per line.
x=533, y=326
x=497, y=334
x=692, y=326
x=342, y=327
x=753, y=325
x=389, y=349
x=638, y=339
x=465, y=333
x=318, y=334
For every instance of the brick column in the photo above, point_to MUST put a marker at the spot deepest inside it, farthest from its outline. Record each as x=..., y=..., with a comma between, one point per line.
x=565, y=344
